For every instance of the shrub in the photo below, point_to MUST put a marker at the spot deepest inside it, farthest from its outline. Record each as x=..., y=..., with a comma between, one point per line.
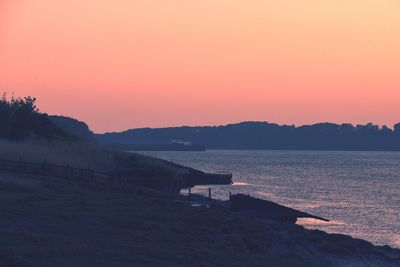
x=21, y=119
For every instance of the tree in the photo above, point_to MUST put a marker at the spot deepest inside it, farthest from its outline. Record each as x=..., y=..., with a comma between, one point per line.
x=20, y=119
x=397, y=128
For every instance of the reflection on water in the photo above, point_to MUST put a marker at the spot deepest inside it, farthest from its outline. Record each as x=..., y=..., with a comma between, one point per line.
x=358, y=191
x=396, y=240
x=239, y=184
x=309, y=222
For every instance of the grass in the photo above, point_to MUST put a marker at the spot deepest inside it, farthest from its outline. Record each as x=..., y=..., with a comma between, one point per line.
x=80, y=155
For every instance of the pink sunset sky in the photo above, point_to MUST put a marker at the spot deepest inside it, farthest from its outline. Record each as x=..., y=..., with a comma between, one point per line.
x=125, y=64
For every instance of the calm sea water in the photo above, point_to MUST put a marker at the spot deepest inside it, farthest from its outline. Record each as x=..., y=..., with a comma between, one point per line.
x=358, y=191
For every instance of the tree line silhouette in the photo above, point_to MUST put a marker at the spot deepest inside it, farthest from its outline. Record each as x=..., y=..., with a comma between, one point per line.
x=264, y=135
x=21, y=119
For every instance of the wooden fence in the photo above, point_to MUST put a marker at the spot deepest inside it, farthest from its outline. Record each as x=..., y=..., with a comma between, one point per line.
x=53, y=170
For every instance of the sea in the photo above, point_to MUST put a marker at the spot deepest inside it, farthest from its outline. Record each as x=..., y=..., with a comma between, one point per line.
x=359, y=192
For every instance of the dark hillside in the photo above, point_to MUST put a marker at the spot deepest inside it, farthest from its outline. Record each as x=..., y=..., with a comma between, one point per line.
x=73, y=127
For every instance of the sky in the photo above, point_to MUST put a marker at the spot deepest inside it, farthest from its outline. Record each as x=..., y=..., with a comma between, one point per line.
x=154, y=63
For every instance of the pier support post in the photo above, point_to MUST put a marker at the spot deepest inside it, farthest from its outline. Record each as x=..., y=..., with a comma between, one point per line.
x=190, y=193
x=209, y=193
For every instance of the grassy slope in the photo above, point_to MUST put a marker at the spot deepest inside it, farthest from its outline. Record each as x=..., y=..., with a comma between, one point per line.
x=80, y=155
x=58, y=222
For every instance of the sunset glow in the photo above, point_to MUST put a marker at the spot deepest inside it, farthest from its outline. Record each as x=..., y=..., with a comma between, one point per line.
x=125, y=64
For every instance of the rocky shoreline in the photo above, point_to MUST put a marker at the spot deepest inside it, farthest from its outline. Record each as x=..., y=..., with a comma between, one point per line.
x=314, y=246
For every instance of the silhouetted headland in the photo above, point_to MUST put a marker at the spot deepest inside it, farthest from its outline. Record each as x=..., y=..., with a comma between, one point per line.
x=264, y=135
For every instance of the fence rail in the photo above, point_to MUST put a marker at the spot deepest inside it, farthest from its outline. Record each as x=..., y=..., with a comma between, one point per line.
x=53, y=170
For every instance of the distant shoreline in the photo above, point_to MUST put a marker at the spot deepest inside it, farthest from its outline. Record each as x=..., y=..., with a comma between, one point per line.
x=156, y=147
x=267, y=136
x=271, y=150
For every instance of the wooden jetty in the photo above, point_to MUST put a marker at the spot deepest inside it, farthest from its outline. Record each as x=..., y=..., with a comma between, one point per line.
x=218, y=178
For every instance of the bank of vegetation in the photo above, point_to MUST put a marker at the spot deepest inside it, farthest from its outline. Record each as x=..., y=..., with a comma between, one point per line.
x=20, y=119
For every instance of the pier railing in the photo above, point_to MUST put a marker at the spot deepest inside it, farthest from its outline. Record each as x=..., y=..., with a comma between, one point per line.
x=49, y=169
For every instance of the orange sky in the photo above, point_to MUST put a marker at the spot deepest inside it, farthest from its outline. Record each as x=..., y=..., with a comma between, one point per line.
x=125, y=63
